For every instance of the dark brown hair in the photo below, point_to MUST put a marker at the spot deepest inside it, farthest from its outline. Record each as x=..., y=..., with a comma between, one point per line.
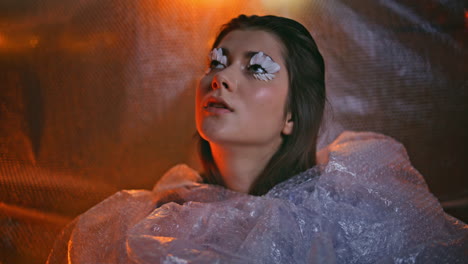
x=305, y=101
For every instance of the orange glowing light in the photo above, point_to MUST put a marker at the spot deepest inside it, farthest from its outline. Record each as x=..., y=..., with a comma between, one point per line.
x=163, y=240
x=33, y=42
x=219, y=12
x=17, y=42
x=284, y=7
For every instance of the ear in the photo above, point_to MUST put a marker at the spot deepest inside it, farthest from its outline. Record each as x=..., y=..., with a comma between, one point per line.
x=288, y=125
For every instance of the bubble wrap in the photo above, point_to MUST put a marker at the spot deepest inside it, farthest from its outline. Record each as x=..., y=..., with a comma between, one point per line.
x=364, y=203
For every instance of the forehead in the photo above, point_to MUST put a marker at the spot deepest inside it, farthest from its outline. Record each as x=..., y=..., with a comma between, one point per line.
x=238, y=42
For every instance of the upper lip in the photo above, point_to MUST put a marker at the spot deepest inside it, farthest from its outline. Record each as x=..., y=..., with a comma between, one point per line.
x=217, y=100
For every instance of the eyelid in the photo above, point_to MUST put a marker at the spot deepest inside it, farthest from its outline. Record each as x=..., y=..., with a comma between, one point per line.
x=218, y=55
x=269, y=66
x=265, y=61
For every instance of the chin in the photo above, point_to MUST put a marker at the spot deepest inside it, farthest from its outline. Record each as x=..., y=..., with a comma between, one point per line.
x=213, y=137
x=217, y=136
x=211, y=129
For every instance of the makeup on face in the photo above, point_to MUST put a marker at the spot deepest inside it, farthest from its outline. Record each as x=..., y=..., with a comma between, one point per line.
x=217, y=60
x=261, y=66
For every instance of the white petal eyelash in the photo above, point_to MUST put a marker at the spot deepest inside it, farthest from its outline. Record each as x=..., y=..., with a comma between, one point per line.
x=266, y=63
x=217, y=55
x=264, y=76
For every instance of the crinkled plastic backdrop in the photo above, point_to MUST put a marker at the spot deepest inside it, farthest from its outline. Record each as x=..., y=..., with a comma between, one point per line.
x=97, y=95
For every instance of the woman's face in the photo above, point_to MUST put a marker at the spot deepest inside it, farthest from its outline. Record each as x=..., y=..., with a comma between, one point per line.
x=242, y=100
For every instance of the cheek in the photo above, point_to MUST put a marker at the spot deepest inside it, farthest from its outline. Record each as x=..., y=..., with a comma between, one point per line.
x=263, y=94
x=269, y=100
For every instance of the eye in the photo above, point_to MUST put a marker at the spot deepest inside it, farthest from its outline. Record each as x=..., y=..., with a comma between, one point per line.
x=263, y=67
x=256, y=68
x=214, y=64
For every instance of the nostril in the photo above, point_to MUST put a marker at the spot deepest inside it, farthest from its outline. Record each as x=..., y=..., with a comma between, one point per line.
x=225, y=85
x=214, y=85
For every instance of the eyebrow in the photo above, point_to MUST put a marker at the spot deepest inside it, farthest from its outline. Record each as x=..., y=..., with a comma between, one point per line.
x=248, y=54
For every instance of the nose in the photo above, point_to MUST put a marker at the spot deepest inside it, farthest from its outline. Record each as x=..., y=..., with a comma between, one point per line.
x=219, y=81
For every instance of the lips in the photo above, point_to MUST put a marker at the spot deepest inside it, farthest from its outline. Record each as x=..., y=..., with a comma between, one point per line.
x=217, y=104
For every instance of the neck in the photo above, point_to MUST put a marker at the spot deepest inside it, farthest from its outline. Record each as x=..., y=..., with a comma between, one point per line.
x=240, y=166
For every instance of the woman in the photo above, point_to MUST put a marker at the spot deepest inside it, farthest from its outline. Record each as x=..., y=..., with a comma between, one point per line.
x=270, y=134
x=264, y=199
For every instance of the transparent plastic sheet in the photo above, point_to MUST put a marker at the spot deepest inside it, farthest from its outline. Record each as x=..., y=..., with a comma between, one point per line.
x=97, y=96
x=366, y=204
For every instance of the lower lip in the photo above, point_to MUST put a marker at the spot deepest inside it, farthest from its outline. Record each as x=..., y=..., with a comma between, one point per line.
x=216, y=110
